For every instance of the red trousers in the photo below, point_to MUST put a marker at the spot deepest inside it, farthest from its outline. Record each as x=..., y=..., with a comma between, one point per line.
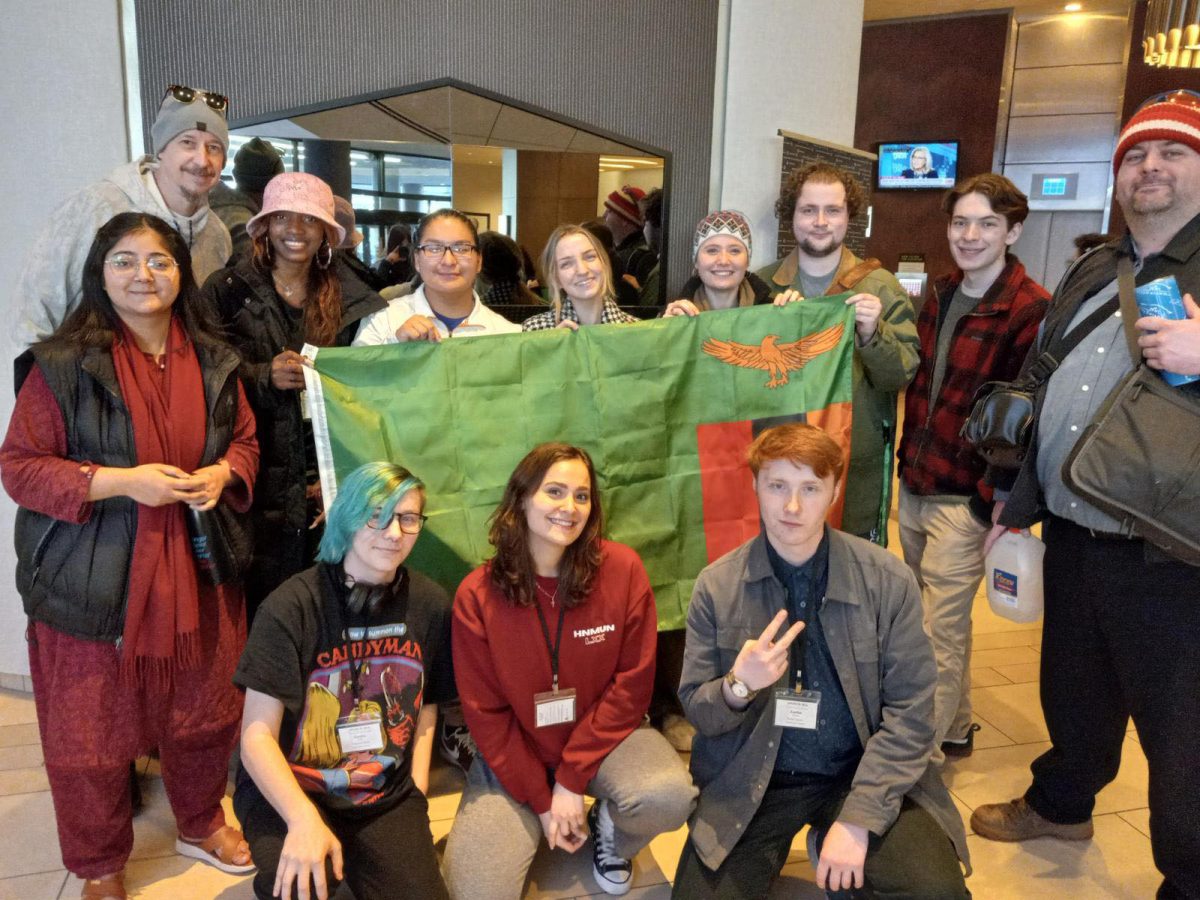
x=93, y=725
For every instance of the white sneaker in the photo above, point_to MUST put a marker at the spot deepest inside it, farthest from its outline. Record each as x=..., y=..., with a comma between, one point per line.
x=613, y=873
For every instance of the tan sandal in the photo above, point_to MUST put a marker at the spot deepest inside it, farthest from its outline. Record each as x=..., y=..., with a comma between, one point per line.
x=109, y=887
x=219, y=850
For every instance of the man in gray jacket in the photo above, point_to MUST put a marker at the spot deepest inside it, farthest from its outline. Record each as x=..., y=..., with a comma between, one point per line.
x=826, y=723
x=190, y=139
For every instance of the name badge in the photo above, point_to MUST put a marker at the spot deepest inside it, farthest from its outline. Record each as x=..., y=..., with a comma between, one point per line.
x=360, y=733
x=554, y=707
x=796, y=709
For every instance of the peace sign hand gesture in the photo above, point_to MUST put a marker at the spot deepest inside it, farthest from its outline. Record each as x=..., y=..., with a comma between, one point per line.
x=762, y=662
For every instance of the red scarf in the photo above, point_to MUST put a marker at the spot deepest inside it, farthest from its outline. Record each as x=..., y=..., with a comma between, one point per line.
x=167, y=409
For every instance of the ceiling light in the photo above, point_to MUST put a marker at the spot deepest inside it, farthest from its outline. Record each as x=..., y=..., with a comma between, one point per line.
x=1073, y=7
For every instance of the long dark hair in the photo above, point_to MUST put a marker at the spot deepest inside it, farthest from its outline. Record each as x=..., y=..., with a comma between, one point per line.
x=323, y=304
x=511, y=569
x=95, y=322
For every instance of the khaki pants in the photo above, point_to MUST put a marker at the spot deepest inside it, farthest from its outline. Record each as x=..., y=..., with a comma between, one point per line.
x=943, y=545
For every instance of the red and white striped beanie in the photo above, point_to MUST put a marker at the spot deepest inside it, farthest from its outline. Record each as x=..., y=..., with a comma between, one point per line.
x=1173, y=116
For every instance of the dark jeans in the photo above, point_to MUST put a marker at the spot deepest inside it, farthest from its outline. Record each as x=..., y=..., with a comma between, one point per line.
x=667, y=673
x=1121, y=639
x=915, y=859
x=384, y=856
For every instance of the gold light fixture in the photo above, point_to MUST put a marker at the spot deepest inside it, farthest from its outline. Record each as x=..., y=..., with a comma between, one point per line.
x=1172, y=34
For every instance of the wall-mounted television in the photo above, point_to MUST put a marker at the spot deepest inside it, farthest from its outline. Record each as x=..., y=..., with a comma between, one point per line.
x=917, y=165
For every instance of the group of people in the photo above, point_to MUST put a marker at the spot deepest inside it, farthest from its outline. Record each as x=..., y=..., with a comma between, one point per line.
x=825, y=681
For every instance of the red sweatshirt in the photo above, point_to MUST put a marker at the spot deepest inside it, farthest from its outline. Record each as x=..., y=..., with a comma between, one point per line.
x=607, y=656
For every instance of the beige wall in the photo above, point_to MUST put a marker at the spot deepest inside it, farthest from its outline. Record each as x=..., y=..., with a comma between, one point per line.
x=478, y=188
x=553, y=188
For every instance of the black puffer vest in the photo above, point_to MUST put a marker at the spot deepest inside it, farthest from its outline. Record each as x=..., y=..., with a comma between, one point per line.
x=74, y=577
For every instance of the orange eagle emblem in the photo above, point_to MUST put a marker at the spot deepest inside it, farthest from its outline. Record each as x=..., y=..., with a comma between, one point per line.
x=775, y=358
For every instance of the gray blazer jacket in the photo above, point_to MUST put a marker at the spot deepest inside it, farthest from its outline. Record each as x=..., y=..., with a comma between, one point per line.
x=872, y=621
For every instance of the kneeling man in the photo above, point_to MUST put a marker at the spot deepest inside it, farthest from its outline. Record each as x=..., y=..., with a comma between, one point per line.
x=810, y=683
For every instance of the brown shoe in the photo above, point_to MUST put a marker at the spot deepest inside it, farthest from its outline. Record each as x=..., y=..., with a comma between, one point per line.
x=110, y=887
x=1017, y=821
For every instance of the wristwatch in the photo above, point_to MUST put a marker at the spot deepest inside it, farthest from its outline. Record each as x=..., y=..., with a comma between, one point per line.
x=739, y=688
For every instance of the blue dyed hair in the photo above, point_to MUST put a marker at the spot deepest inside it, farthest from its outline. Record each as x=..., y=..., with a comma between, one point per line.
x=373, y=486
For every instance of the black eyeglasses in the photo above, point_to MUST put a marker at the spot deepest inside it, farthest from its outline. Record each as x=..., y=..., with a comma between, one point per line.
x=410, y=523
x=436, y=249
x=185, y=94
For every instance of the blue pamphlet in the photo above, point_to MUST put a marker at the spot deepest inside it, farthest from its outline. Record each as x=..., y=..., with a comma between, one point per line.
x=1161, y=298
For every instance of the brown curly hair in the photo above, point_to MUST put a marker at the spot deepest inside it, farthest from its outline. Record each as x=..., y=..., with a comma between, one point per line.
x=322, y=318
x=511, y=569
x=822, y=173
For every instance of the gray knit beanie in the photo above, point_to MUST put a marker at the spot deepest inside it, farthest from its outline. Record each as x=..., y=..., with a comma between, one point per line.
x=175, y=117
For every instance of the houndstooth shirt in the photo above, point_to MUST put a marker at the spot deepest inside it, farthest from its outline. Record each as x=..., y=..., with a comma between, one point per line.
x=610, y=315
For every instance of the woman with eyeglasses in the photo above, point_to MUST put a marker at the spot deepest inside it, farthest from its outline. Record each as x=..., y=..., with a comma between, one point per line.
x=446, y=255
x=130, y=414
x=343, y=671
x=554, y=659
x=287, y=293
x=579, y=281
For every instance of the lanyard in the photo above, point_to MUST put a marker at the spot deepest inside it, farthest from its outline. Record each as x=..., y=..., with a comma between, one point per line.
x=553, y=648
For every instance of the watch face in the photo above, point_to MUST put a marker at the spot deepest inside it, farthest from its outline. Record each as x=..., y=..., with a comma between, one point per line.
x=739, y=688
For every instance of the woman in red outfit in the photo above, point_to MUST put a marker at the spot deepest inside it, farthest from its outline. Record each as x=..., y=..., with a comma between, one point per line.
x=554, y=658
x=131, y=412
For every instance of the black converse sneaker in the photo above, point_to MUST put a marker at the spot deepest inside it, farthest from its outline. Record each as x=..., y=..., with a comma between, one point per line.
x=613, y=873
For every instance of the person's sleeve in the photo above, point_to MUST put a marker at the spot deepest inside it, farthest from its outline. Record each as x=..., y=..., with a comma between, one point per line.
x=34, y=466
x=271, y=663
x=439, y=685
x=623, y=704
x=373, y=330
x=256, y=376
x=242, y=456
x=490, y=719
x=890, y=358
x=51, y=281
x=898, y=753
x=700, y=684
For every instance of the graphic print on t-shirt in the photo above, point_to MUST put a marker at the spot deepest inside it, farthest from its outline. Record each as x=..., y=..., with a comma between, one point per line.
x=391, y=677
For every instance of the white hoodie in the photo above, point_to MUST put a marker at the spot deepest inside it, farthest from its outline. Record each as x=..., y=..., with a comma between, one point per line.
x=51, y=282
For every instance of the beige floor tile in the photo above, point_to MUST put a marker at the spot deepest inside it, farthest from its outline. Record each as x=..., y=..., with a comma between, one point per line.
x=42, y=886
x=1115, y=865
x=32, y=847
x=666, y=849
x=22, y=756
x=1004, y=656
x=988, y=735
x=1139, y=819
x=984, y=621
x=995, y=640
x=986, y=676
x=23, y=781
x=558, y=875
x=16, y=708
x=1021, y=673
x=177, y=878
x=1013, y=709
x=19, y=735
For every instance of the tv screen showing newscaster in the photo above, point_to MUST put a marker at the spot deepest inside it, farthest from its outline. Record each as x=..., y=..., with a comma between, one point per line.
x=915, y=165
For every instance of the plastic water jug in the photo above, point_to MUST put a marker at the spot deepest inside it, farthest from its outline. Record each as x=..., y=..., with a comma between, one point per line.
x=1013, y=570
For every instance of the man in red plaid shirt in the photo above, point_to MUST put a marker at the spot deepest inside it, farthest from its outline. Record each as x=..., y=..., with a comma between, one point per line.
x=976, y=326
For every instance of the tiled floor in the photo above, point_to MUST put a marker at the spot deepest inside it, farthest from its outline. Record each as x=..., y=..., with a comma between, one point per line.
x=1115, y=864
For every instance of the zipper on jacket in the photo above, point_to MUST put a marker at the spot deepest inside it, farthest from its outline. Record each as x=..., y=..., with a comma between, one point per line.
x=40, y=551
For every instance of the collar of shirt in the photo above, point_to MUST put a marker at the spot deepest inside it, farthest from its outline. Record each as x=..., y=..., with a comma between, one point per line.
x=802, y=579
x=421, y=307
x=609, y=315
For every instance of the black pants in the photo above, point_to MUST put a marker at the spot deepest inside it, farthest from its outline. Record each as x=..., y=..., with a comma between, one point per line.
x=384, y=856
x=915, y=859
x=1121, y=639
x=667, y=672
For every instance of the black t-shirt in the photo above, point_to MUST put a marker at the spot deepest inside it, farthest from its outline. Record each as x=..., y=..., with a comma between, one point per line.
x=399, y=655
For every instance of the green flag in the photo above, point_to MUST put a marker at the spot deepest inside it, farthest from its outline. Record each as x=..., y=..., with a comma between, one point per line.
x=666, y=408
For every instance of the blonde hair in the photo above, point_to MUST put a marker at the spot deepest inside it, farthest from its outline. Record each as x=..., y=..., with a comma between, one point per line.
x=550, y=269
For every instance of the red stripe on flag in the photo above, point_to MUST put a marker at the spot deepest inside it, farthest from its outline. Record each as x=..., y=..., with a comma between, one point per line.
x=730, y=507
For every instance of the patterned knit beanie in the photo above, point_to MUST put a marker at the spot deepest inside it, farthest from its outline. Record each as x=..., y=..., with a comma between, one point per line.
x=1173, y=116
x=625, y=204
x=723, y=221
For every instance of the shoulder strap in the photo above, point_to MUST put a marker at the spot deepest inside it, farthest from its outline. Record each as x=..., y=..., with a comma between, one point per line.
x=1129, y=308
x=858, y=273
x=1053, y=355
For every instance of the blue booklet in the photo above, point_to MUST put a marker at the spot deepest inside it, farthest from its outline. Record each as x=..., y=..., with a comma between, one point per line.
x=1161, y=298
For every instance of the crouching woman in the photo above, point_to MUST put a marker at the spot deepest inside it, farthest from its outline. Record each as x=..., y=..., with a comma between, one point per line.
x=342, y=670
x=554, y=652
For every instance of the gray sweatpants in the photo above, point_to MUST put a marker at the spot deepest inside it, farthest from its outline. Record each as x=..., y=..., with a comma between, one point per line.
x=494, y=838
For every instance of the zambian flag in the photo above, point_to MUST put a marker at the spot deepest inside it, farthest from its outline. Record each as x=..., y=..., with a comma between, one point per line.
x=665, y=407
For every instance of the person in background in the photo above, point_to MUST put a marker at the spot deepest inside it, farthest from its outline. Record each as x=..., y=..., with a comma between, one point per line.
x=919, y=164
x=554, y=656
x=445, y=304
x=504, y=273
x=256, y=162
x=348, y=261
x=976, y=326
x=623, y=216
x=130, y=414
x=396, y=267
x=286, y=293
x=190, y=140
x=579, y=282
x=819, y=200
x=651, y=209
x=343, y=672
x=624, y=290
x=1085, y=242
x=827, y=722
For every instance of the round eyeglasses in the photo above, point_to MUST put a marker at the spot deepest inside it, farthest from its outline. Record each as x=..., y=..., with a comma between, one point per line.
x=410, y=523
x=127, y=264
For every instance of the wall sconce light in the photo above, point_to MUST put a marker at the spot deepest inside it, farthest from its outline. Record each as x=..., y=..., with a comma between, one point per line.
x=1172, y=34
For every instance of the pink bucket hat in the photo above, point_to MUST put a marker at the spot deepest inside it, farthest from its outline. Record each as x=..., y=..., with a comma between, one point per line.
x=298, y=192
